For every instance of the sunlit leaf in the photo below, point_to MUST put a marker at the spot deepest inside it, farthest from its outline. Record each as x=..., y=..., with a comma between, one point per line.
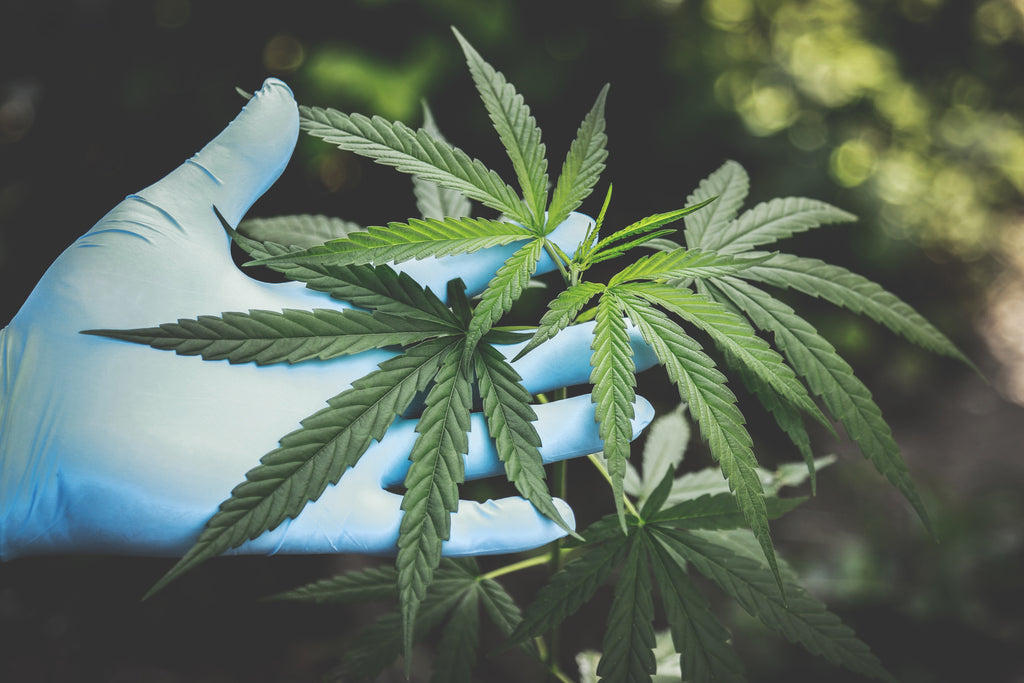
x=772, y=221
x=583, y=164
x=503, y=290
x=729, y=186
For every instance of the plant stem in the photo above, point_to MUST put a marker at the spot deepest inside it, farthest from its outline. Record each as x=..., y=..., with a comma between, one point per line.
x=604, y=473
x=558, y=261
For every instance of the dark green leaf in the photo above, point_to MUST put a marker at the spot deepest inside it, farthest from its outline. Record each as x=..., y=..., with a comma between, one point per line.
x=372, y=583
x=682, y=263
x=291, y=336
x=302, y=231
x=460, y=639
x=717, y=511
x=629, y=636
x=583, y=164
x=415, y=152
x=317, y=454
x=515, y=126
x=613, y=379
x=855, y=292
x=701, y=641
x=658, y=496
x=800, y=618
x=714, y=406
x=506, y=405
x=432, y=492
x=503, y=290
x=561, y=312
x=570, y=587
x=415, y=239
x=830, y=377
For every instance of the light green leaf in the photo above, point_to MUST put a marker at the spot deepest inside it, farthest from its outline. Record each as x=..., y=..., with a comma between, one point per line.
x=432, y=486
x=572, y=586
x=800, y=618
x=583, y=164
x=506, y=405
x=300, y=231
x=735, y=336
x=730, y=185
x=709, y=480
x=701, y=641
x=613, y=379
x=291, y=336
x=515, y=126
x=608, y=247
x=561, y=312
x=771, y=221
x=682, y=263
x=832, y=378
x=416, y=239
x=460, y=639
x=629, y=635
x=714, y=406
x=372, y=583
x=316, y=455
x=432, y=200
x=664, y=447
x=855, y=292
x=503, y=290
x=416, y=152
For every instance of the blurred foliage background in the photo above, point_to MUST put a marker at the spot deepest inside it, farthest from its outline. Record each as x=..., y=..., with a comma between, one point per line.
x=906, y=112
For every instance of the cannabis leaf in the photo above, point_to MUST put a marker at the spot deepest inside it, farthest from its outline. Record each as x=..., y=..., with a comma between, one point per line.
x=433, y=200
x=516, y=128
x=583, y=164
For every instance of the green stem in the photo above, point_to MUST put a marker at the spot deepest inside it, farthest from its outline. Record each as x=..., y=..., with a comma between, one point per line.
x=604, y=473
x=558, y=261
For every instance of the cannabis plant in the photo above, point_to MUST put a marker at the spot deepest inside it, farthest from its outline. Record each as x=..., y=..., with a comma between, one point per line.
x=711, y=280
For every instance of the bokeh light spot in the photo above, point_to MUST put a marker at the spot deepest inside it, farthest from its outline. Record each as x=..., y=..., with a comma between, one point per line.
x=852, y=162
x=283, y=54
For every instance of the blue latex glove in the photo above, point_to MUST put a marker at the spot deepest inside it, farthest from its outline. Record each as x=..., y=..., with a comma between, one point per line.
x=113, y=447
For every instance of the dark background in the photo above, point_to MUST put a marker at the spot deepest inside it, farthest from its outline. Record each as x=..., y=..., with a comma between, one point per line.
x=906, y=113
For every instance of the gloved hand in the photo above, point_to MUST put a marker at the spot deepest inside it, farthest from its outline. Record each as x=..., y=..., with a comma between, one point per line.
x=112, y=447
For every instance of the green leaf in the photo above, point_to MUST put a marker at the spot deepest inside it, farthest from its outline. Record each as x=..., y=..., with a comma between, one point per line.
x=664, y=447
x=432, y=486
x=291, y=336
x=372, y=583
x=500, y=606
x=855, y=292
x=613, y=379
x=641, y=228
x=416, y=239
x=772, y=221
x=571, y=587
x=416, y=152
x=377, y=646
x=506, y=405
x=714, y=406
x=629, y=636
x=516, y=127
x=709, y=480
x=460, y=639
x=657, y=497
x=583, y=164
x=832, y=378
x=503, y=290
x=717, y=511
x=300, y=231
x=701, y=641
x=734, y=335
x=432, y=200
x=316, y=455
x=729, y=184
x=561, y=312
x=682, y=263
x=800, y=618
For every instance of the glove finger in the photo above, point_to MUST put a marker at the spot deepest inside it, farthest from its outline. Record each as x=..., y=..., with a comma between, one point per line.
x=234, y=169
x=567, y=429
x=564, y=361
x=507, y=525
